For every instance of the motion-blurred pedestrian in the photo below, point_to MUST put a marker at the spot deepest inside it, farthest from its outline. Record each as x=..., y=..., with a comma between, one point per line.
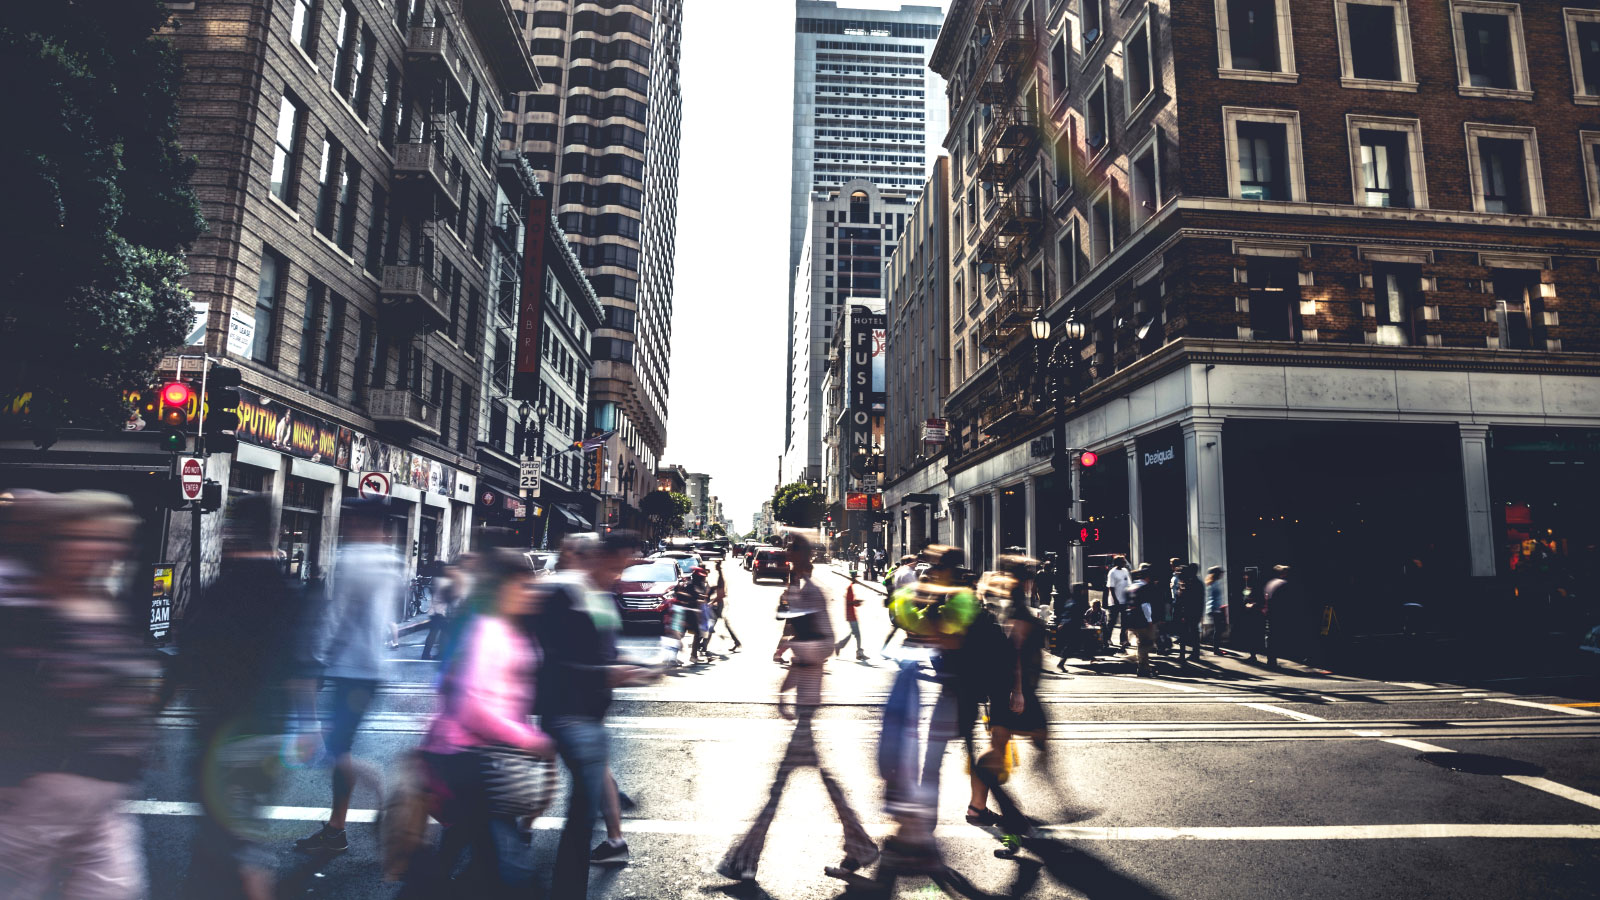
x=1013, y=696
x=1189, y=604
x=810, y=631
x=719, y=607
x=1216, y=617
x=852, y=620
x=575, y=689
x=241, y=648
x=1139, y=616
x=1118, y=581
x=481, y=739
x=367, y=586
x=75, y=723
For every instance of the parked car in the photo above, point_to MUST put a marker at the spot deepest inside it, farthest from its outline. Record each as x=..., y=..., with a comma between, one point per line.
x=645, y=591
x=542, y=561
x=684, y=560
x=770, y=562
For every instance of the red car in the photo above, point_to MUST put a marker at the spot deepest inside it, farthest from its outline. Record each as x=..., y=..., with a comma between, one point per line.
x=645, y=591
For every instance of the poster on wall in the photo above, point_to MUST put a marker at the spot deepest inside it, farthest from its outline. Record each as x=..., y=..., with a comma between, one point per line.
x=412, y=470
x=1163, y=493
x=161, y=601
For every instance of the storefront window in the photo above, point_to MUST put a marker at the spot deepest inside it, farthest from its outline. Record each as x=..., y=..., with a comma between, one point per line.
x=428, y=537
x=300, y=528
x=1547, y=538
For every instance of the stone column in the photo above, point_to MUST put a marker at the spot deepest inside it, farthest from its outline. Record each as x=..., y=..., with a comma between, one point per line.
x=1475, y=482
x=1135, y=507
x=1202, y=462
x=996, y=533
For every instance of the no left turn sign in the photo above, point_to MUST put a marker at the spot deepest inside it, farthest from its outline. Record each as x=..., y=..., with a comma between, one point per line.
x=375, y=484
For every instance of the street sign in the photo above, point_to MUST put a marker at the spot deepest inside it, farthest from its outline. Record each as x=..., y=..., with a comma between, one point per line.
x=375, y=484
x=934, y=431
x=530, y=474
x=191, y=476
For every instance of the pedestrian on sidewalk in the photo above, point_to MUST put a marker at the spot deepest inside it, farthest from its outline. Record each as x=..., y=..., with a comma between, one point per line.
x=850, y=606
x=1280, y=604
x=1139, y=616
x=367, y=586
x=580, y=670
x=1190, y=605
x=810, y=632
x=240, y=651
x=75, y=723
x=1216, y=616
x=1118, y=581
x=700, y=615
x=481, y=732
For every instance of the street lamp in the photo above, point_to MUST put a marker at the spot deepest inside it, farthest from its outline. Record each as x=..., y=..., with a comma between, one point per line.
x=1057, y=371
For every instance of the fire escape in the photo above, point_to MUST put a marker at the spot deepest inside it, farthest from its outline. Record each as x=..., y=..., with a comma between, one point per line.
x=1012, y=234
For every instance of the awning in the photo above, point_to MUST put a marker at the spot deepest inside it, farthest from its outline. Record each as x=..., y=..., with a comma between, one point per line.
x=573, y=520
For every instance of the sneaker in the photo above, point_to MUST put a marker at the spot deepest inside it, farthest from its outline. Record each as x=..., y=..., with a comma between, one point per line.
x=606, y=853
x=326, y=840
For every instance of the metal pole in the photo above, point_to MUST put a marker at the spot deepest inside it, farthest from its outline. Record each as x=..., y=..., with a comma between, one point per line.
x=195, y=513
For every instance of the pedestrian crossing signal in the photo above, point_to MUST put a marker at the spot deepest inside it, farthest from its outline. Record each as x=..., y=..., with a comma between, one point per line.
x=1088, y=458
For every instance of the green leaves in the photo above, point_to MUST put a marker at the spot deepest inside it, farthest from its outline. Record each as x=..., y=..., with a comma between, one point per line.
x=666, y=508
x=798, y=504
x=100, y=210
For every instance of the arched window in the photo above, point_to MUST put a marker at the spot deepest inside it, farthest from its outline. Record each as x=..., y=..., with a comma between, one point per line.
x=859, y=206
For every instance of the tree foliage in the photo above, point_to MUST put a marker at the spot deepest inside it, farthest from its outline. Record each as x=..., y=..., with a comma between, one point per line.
x=666, y=508
x=99, y=207
x=716, y=530
x=798, y=504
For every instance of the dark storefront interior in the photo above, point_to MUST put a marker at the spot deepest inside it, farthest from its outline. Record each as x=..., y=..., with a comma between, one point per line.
x=1369, y=515
x=1542, y=484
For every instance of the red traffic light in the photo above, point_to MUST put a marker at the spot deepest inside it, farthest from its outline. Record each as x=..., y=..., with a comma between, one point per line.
x=1088, y=458
x=176, y=393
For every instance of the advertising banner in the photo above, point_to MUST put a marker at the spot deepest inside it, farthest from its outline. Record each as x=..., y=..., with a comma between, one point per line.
x=368, y=454
x=276, y=426
x=530, y=320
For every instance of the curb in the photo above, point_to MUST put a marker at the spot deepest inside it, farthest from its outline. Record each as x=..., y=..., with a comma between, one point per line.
x=873, y=586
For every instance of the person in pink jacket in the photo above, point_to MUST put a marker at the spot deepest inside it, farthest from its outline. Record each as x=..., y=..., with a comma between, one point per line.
x=486, y=699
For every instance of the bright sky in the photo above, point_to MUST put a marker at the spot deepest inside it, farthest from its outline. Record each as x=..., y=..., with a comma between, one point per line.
x=725, y=414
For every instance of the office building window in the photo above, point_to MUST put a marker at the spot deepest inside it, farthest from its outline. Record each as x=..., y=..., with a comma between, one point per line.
x=1583, y=48
x=328, y=186
x=375, y=231
x=1274, y=284
x=303, y=25
x=269, y=299
x=311, y=329
x=1069, y=256
x=291, y=115
x=1144, y=180
x=1102, y=229
x=1375, y=44
x=1589, y=143
x=366, y=336
x=348, y=191
x=1504, y=165
x=1396, y=298
x=1060, y=76
x=1255, y=40
x=1097, y=117
x=1387, y=154
x=1264, y=154
x=1138, y=64
x=1491, y=59
x=332, y=344
x=1519, y=307
x=1093, y=23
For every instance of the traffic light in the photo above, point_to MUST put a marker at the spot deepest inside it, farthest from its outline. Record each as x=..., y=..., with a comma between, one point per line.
x=1088, y=458
x=221, y=411
x=210, y=495
x=175, y=397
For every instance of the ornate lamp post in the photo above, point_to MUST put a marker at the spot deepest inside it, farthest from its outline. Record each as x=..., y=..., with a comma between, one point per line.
x=1057, y=372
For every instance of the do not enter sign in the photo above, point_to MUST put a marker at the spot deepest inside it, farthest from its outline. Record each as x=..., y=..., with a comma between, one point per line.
x=191, y=476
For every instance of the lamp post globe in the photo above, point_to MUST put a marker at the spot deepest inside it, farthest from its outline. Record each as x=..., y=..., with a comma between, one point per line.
x=1073, y=330
x=1039, y=326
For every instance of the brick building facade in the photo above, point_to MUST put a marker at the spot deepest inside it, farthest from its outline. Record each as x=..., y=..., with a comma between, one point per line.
x=1367, y=269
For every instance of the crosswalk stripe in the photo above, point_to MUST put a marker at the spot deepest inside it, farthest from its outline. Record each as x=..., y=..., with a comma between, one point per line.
x=966, y=832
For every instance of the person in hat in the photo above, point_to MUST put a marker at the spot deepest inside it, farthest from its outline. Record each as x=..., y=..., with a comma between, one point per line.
x=368, y=586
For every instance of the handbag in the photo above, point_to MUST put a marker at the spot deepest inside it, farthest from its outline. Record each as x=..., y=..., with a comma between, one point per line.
x=515, y=782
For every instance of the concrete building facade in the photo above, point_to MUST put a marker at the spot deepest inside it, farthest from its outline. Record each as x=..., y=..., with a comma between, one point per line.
x=854, y=228
x=866, y=106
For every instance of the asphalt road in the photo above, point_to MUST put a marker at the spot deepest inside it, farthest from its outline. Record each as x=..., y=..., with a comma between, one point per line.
x=1222, y=781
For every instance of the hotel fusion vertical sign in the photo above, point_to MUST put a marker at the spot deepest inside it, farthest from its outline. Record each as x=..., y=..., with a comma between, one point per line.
x=867, y=395
x=530, y=318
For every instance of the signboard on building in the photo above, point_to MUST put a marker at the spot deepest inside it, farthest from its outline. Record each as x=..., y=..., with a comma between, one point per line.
x=375, y=484
x=241, y=332
x=934, y=431
x=530, y=309
x=531, y=465
x=864, y=402
x=269, y=423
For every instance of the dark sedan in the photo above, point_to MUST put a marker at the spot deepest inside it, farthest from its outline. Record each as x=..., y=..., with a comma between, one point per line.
x=645, y=590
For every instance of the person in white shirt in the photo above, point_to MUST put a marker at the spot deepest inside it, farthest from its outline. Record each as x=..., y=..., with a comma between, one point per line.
x=1118, y=582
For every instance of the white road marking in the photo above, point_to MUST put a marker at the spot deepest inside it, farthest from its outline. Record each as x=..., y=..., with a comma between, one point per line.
x=1560, y=790
x=1546, y=706
x=1418, y=746
x=1293, y=714
x=718, y=828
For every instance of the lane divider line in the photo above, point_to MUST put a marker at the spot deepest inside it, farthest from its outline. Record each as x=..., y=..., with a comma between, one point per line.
x=1558, y=789
x=1550, y=706
x=1418, y=746
x=1291, y=713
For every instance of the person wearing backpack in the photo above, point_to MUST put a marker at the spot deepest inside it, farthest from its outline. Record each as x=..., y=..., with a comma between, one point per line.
x=1139, y=616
